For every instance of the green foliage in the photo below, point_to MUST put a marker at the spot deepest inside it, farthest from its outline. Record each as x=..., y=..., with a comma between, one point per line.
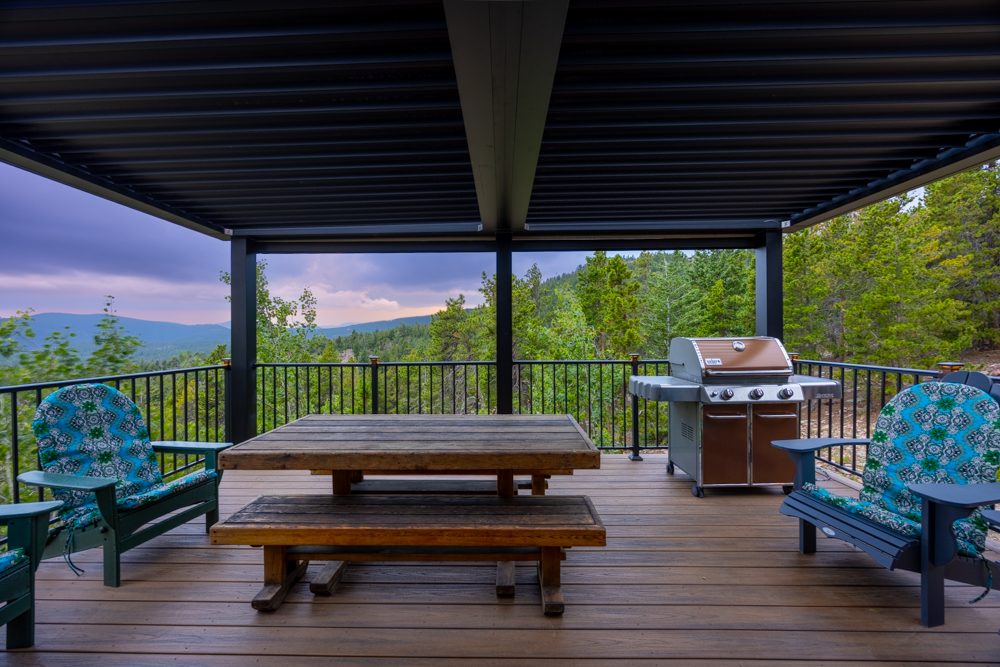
x=878, y=287
x=281, y=336
x=55, y=359
x=115, y=347
x=609, y=296
x=400, y=343
x=964, y=213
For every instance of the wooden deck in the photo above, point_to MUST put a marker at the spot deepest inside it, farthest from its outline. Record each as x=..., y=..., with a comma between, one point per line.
x=716, y=581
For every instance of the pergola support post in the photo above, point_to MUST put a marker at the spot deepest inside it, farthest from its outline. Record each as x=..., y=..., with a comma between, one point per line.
x=770, y=297
x=243, y=292
x=505, y=326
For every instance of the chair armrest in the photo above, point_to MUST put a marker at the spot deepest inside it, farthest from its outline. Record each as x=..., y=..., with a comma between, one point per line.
x=184, y=447
x=804, y=445
x=71, y=482
x=23, y=510
x=959, y=495
x=993, y=518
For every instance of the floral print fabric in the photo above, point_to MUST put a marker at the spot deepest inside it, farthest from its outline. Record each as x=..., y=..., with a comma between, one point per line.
x=95, y=430
x=10, y=558
x=935, y=432
x=88, y=514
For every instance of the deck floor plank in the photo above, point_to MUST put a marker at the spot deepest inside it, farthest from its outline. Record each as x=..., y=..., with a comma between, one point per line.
x=683, y=581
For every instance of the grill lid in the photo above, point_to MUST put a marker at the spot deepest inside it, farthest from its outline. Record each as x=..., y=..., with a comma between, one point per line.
x=727, y=359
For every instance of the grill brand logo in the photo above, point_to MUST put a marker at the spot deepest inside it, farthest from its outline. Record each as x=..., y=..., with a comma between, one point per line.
x=713, y=361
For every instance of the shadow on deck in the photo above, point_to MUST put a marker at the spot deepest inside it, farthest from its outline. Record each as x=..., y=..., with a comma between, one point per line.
x=699, y=581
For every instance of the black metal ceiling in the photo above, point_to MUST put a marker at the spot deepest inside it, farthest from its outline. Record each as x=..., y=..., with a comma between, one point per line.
x=747, y=114
x=243, y=114
x=330, y=119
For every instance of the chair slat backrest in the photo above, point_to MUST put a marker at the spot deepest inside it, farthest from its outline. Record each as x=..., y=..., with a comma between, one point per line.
x=95, y=430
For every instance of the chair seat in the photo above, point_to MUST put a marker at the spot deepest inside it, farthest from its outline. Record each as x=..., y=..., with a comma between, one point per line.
x=884, y=517
x=11, y=558
x=88, y=514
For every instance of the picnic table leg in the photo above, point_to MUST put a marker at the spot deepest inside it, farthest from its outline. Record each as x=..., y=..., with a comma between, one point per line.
x=505, y=484
x=279, y=576
x=342, y=482
x=538, y=485
x=505, y=578
x=550, y=581
x=328, y=578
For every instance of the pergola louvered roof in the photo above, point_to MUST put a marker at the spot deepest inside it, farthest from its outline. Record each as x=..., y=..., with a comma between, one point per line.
x=311, y=121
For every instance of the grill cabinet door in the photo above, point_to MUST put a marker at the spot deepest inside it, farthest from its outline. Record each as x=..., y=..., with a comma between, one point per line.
x=773, y=421
x=724, y=446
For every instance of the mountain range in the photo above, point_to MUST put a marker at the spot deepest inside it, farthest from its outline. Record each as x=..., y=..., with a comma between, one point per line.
x=163, y=340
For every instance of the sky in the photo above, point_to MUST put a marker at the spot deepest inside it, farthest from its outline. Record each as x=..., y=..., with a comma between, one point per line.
x=63, y=250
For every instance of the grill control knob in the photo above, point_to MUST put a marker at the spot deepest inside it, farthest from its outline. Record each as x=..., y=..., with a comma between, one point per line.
x=756, y=393
x=785, y=393
x=727, y=394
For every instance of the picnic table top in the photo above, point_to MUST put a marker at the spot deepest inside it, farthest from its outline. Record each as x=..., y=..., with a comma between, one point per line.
x=419, y=442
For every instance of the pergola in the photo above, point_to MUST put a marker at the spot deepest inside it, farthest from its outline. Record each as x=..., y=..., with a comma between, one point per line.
x=493, y=126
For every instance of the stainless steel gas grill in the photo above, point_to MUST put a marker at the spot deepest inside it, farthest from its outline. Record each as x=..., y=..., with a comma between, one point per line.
x=726, y=394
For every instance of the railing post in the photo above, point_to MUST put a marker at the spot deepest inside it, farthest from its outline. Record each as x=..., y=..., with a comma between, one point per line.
x=635, y=414
x=374, y=367
x=15, y=450
x=227, y=401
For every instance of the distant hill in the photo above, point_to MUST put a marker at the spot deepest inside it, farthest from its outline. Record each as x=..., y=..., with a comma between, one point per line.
x=163, y=340
x=333, y=332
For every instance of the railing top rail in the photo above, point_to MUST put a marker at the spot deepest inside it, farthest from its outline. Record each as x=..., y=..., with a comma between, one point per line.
x=107, y=378
x=361, y=364
x=317, y=364
x=865, y=367
x=574, y=362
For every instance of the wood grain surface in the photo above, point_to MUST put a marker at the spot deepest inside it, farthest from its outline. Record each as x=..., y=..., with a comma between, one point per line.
x=419, y=442
x=682, y=581
x=400, y=520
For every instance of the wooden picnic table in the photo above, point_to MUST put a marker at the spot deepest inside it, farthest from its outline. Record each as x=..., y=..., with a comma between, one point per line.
x=343, y=528
x=350, y=445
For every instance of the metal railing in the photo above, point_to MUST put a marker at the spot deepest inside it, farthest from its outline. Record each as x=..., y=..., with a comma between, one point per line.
x=190, y=404
x=594, y=392
x=866, y=390
x=183, y=404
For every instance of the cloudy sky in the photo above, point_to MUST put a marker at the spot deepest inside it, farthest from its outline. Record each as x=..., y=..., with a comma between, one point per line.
x=61, y=250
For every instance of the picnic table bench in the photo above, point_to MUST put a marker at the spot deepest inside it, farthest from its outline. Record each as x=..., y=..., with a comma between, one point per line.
x=295, y=530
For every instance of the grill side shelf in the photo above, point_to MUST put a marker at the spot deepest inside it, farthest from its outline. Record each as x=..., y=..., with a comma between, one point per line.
x=664, y=388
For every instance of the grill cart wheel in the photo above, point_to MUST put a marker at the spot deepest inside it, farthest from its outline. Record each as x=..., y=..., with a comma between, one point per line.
x=697, y=491
x=670, y=468
x=787, y=488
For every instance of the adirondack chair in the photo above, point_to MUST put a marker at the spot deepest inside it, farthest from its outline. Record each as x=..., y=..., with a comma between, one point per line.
x=933, y=462
x=96, y=456
x=27, y=526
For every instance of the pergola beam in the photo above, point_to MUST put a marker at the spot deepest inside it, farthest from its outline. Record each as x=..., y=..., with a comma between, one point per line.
x=979, y=150
x=518, y=244
x=23, y=156
x=505, y=56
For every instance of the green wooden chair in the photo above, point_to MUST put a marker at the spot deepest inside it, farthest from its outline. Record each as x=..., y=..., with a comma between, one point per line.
x=96, y=455
x=27, y=527
x=932, y=471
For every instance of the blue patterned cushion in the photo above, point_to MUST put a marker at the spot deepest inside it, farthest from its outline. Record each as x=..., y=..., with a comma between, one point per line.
x=88, y=514
x=874, y=512
x=10, y=558
x=933, y=432
x=95, y=430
